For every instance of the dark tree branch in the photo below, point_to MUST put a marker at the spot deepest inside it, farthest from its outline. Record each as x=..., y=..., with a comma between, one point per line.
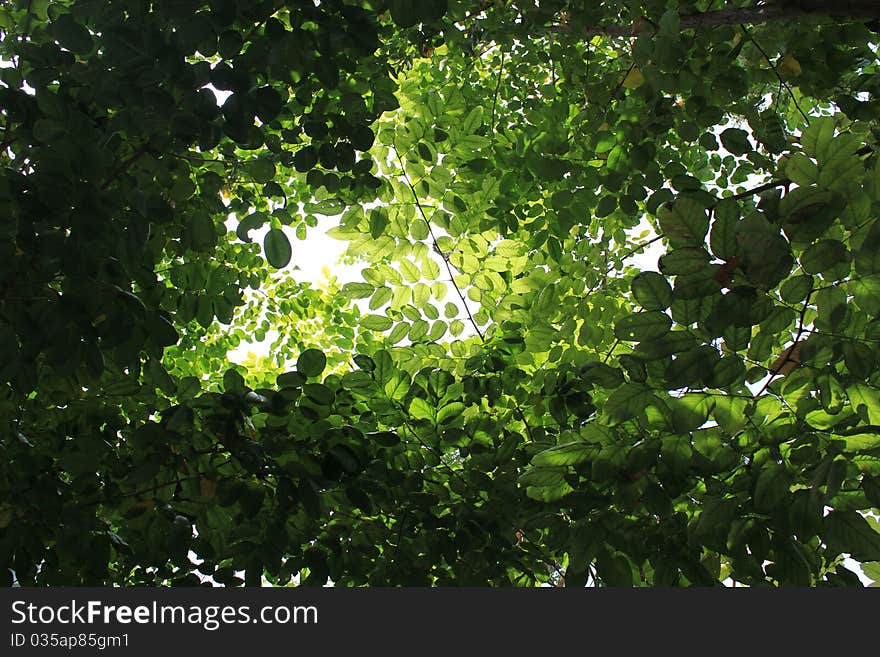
x=278, y=7
x=773, y=184
x=791, y=355
x=122, y=168
x=779, y=11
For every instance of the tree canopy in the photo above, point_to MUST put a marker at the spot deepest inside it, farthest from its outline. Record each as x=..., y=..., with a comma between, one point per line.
x=507, y=395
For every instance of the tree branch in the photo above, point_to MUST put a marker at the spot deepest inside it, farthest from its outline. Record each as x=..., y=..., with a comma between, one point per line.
x=790, y=353
x=775, y=71
x=122, y=168
x=782, y=182
x=278, y=7
x=497, y=87
x=434, y=243
x=779, y=11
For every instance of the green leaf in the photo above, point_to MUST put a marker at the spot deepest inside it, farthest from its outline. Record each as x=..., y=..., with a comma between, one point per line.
x=410, y=271
x=872, y=571
x=408, y=14
x=802, y=170
x=233, y=381
x=262, y=170
x=542, y=477
x=311, y=362
x=161, y=330
x=362, y=138
x=866, y=291
x=641, y=326
x=565, y=454
x=858, y=442
x=614, y=570
x=823, y=255
x=364, y=362
x=771, y=487
x=201, y=229
x=628, y=401
x=723, y=234
x=277, y=248
x=399, y=332
x=848, y=532
x=418, y=330
x=818, y=136
x=405, y=14
x=736, y=141
x=46, y=130
x=767, y=255
x=728, y=371
x=421, y=410
x=652, y=291
x=795, y=290
x=450, y=412
x=690, y=412
x=358, y=290
x=865, y=401
x=438, y=330
x=318, y=394
x=305, y=159
x=268, y=103
x=676, y=453
x=384, y=438
x=381, y=296
x=248, y=223
x=72, y=35
x=684, y=260
x=229, y=44
x=606, y=205
x=601, y=374
x=472, y=121
x=670, y=23
x=378, y=222
x=376, y=323
x=859, y=359
x=685, y=223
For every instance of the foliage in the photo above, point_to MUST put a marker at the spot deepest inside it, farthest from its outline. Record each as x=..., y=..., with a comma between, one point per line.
x=504, y=398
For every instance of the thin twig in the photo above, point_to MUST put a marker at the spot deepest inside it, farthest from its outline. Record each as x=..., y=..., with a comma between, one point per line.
x=611, y=351
x=195, y=158
x=782, y=182
x=435, y=245
x=617, y=89
x=436, y=452
x=631, y=252
x=776, y=72
x=497, y=87
x=793, y=348
x=522, y=418
x=461, y=296
x=122, y=168
x=260, y=24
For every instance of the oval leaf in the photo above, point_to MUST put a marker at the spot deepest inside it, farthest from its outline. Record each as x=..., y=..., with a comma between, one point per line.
x=277, y=248
x=311, y=362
